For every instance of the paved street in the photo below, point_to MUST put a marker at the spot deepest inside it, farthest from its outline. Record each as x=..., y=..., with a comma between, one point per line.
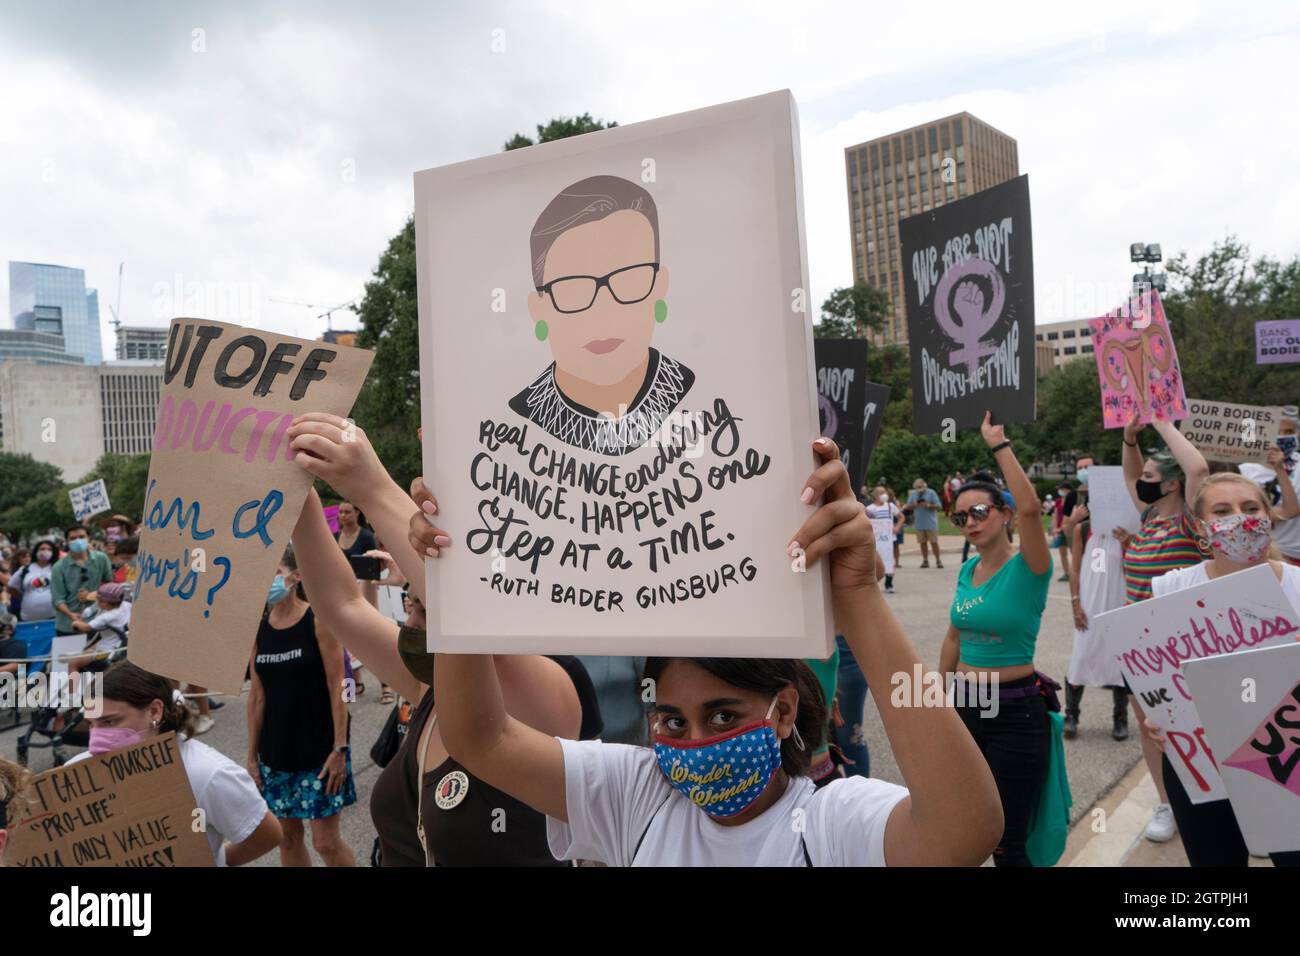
x=1095, y=762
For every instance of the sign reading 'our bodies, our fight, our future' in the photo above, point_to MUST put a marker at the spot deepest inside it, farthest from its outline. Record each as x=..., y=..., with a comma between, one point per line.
x=969, y=288
x=617, y=478
x=224, y=492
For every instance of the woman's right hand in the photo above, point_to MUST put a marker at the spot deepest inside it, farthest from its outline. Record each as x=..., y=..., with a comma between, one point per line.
x=337, y=450
x=1131, y=428
x=427, y=540
x=1080, y=617
x=254, y=771
x=1153, y=732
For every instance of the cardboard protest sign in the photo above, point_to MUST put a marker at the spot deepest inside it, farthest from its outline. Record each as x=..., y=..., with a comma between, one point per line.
x=224, y=492
x=873, y=414
x=1110, y=506
x=1227, y=432
x=616, y=477
x=842, y=398
x=1277, y=342
x=129, y=807
x=1154, y=638
x=1249, y=703
x=969, y=291
x=90, y=499
x=1137, y=363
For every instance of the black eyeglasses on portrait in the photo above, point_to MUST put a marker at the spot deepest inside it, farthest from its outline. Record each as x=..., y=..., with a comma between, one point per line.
x=977, y=514
x=628, y=285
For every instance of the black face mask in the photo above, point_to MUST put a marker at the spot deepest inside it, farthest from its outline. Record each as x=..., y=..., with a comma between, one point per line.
x=412, y=645
x=1149, y=492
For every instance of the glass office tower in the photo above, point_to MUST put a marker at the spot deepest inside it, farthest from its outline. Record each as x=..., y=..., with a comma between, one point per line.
x=55, y=300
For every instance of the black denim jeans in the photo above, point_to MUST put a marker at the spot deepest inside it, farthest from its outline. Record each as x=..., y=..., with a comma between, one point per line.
x=1017, y=745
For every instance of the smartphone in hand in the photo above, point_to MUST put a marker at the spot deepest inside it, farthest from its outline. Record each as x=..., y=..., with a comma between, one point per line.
x=365, y=569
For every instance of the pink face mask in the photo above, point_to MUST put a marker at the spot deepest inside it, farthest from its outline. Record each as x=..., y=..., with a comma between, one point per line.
x=1240, y=538
x=104, y=739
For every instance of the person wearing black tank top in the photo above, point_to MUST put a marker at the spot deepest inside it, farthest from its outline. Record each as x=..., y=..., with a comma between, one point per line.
x=465, y=822
x=298, y=747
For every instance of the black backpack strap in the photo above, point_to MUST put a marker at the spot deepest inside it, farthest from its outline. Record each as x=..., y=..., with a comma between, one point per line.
x=803, y=845
x=641, y=840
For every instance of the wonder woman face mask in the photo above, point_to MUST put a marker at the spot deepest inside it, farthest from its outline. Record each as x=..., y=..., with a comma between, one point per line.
x=723, y=775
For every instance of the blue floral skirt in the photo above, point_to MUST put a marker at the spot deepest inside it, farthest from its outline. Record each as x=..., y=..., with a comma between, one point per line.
x=298, y=795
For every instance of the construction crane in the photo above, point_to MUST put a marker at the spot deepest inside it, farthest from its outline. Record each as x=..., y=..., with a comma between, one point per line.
x=328, y=314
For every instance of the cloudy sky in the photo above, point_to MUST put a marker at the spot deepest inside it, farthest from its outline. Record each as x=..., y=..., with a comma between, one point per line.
x=232, y=154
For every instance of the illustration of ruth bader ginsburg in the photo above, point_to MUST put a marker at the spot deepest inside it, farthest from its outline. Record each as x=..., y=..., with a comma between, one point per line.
x=600, y=292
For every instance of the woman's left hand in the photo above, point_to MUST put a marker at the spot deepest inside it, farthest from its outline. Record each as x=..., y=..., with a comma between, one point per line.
x=839, y=528
x=993, y=434
x=333, y=773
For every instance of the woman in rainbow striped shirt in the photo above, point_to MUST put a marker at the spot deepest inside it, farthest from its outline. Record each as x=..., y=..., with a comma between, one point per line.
x=1161, y=486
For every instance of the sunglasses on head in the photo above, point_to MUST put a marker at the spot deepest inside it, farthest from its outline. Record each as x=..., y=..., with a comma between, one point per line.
x=977, y=513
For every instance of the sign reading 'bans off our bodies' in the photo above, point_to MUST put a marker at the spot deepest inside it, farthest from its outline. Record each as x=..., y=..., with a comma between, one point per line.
x=969, y=289
x=1154, y=638
x=618, y=391
x=224, y=492
x=131, y=807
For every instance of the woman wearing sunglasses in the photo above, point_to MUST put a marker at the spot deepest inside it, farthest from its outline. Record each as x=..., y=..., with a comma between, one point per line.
x=995, y=617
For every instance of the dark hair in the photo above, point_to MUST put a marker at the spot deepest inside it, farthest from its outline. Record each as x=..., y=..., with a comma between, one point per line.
x=130, y=545
x=588, y=200
x=290, y=561
x=133, y=685
x=985, y=482
x=76, y=527
x=361, y=515
x=768, y=675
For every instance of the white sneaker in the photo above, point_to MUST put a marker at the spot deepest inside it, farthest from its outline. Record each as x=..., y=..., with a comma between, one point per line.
x=203, y=723
x=1162, y=827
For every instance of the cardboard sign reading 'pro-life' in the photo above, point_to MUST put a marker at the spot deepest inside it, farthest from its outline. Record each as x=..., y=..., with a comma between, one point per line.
x=130, y=807
x=1250, y=705
x=1227, y=432
x=618, y=392
x=969, y=289
x=1154, y=638
x=223, y=492
x=1137, y=363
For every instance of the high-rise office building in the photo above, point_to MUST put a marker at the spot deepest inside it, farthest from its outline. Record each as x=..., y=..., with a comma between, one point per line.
x=128, y=401
x=47, y=348
x=141, y=342
x=48, y=298
x=907, y=173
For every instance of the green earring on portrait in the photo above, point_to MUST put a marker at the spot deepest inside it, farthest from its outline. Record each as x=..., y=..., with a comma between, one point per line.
x=541, y=331
x=661, y=310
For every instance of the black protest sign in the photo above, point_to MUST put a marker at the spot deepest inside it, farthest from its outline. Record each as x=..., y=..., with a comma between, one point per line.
x=841, y=390
x=969, y=290
x=873, y=415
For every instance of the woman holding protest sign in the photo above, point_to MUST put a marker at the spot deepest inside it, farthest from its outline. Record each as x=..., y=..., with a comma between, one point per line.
x=138, y=705
x=1166, y=540
x=992, y=634
x=299, y=749
x=682, y=804
x=1233, y=515
x=426, y=807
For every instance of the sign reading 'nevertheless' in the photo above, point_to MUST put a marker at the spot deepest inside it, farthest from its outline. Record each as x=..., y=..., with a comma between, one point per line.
x=1154, y=638
x=224, y=491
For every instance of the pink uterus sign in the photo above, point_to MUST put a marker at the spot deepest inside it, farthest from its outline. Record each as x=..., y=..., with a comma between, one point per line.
x=1273, y=748
x=978, y=312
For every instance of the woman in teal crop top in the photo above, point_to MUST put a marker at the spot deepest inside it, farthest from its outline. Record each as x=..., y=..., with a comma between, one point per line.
x=993, y=628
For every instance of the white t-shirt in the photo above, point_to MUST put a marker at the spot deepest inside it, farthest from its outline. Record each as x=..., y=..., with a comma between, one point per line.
x=116, y=617
x=888, y=510
x=1189, y=577
x=616, y=793
x=223, y=790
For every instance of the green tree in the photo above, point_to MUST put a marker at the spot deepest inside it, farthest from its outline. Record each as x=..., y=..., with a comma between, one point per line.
x=22, y=477
x=561, y=127
x=388, y=407
x=1212, y=310
x=852, y=311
